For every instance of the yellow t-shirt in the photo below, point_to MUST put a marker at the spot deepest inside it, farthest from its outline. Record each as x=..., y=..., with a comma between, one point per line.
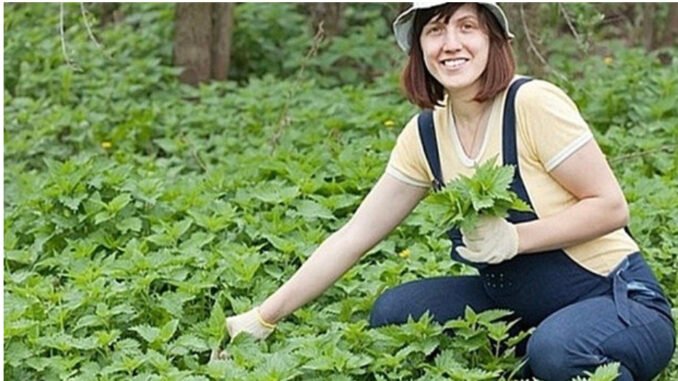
x=549, y=129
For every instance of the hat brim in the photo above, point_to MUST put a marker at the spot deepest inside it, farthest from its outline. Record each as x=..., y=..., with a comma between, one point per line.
x=402, y=26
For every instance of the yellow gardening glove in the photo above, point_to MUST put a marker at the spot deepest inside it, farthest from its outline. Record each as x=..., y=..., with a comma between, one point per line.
x=249, y=322
x=494, y=240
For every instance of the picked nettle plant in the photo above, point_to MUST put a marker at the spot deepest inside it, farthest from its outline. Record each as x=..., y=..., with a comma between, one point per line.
x=486, y=193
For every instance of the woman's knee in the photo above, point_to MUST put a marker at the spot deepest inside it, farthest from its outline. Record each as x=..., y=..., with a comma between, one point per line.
x=550, y=357
x=387, y=309
x=561, y=355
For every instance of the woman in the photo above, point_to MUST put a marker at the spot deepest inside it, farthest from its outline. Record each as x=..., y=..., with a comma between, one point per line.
x=570, y=269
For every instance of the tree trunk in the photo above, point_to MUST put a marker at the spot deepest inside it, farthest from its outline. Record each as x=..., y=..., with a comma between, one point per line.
x=221, y=39
x=671, y=31
x=110, y=13
x=202, y=41
x=649, y=14
x=329, y=14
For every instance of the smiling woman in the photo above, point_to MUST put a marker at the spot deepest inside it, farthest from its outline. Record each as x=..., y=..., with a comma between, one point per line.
x=473, y=23
x=455, y=48
x=569, y=269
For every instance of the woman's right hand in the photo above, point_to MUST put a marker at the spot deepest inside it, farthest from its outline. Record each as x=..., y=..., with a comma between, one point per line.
x=251, y=323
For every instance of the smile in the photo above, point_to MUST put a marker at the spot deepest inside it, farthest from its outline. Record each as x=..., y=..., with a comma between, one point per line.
x=454, y=63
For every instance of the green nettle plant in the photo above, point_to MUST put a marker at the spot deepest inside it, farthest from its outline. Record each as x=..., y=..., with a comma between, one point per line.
x=140, y=212
x=486, y=193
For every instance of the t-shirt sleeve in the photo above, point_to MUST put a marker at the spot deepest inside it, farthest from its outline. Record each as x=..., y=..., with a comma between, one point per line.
x=407, y=162
x=552, y=124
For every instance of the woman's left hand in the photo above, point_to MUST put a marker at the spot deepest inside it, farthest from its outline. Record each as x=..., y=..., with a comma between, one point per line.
x=493, y=240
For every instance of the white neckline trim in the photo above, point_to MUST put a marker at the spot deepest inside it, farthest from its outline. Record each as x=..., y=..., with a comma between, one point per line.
x=456, y=141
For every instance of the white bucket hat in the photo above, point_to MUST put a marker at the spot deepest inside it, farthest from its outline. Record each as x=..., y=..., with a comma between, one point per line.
x=402, y=26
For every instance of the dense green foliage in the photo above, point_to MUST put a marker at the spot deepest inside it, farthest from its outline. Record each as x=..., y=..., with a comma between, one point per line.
x=139, y=211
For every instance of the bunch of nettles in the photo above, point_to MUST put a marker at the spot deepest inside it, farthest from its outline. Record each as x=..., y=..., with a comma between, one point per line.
x=486, y=193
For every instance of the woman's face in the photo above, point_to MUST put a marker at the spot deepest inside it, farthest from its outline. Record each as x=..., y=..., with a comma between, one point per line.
x=456, y=52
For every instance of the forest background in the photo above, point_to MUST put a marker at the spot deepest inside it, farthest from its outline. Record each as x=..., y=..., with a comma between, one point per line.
x=167, y=165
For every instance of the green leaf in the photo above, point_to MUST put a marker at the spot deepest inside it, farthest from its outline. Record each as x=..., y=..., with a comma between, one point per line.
x=116, y=205
x=132, y=223
x=274, y=193
x=167, y=331
x=148, y=333
x=216, y=325
x=487, y=193
x=607, y=372
x=102, y=217
x=312, y=210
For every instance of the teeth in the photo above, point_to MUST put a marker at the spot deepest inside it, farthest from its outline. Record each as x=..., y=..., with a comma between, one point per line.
x=455, y=62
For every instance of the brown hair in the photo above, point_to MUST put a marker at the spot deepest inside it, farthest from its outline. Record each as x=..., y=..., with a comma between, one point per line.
x=425, y=91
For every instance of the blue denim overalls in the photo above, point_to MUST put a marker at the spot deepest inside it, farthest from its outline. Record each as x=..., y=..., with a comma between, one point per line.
x=535, y=286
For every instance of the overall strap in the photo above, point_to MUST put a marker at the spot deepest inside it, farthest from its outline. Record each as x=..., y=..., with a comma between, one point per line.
x=510, y=149
x=427, y=135
x=509, y=141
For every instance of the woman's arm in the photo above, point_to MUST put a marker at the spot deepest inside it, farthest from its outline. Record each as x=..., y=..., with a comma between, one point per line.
x=387, y=204
x=601, y=208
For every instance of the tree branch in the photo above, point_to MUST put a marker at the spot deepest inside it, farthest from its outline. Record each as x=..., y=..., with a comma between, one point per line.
x=83, y=12
x=63, y=39
x=619, y=158
x=534, y=48
x=568, y=20
x=529, y=38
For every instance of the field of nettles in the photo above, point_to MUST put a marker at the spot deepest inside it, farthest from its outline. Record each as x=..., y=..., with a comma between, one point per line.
x=139, y=212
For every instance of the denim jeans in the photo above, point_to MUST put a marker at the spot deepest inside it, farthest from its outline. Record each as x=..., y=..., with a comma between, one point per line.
x=575, y=338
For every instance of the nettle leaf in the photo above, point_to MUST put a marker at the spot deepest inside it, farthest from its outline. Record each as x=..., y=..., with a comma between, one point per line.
x=89, y=321
x=132, y=223
x=490, y=316
x=486, y=193
x=215, y=222
x=447, y=359
x=607, y=372
x=179, y=228
x=168, y=330
x=283, y=244
x=118, y=203
x=274, y=193
x=73, y=203
x=216, y=325
x=64, y=342
x=16, y=352
x=21, y=256
x=93, y=204
x=197, y=241
x=311, y=209
x=123, y=309
x=161, y=239
x=106, y=338
x=157, y=361
x=245, y=266
x=189, y=343
x=147, y=332
x=147, y=189
x=169, y=234
x=102, y=217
